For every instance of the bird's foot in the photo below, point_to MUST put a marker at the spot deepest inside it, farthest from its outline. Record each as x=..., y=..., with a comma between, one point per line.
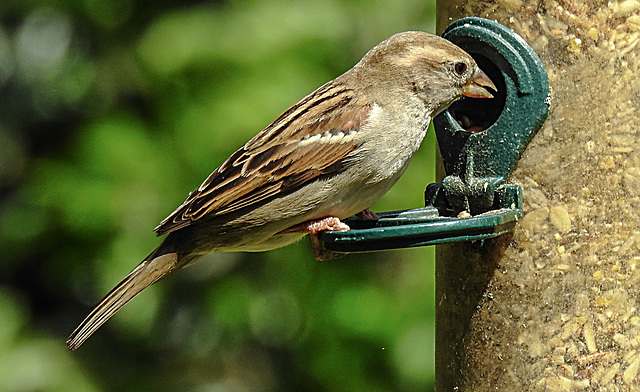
x=315, y=227
x=367, y=214
x=331, y=223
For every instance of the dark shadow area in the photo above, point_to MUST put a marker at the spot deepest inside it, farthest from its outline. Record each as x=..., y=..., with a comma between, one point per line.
x=477, y=114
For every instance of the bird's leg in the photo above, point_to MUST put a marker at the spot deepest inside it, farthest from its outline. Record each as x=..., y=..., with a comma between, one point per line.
x=331, y=223
x=367, y=214
x=316, y=226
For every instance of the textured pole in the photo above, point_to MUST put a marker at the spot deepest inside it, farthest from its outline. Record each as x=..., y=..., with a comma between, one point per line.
x=554, y=306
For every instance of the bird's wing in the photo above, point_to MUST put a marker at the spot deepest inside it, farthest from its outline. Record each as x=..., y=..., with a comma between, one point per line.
x=311, y=139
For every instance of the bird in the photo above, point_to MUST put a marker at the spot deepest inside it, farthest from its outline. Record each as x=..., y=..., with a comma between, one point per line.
x=328, y=157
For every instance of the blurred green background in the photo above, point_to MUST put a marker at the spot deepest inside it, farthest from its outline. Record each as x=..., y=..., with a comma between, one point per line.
x=110, y=113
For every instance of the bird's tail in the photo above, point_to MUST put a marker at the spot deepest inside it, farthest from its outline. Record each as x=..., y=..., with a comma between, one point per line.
x=151, y=270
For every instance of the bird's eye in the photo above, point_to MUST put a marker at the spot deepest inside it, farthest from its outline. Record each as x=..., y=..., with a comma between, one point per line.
x=460, y=68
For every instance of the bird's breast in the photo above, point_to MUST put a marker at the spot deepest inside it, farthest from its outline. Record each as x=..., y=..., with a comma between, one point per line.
x=389, y=141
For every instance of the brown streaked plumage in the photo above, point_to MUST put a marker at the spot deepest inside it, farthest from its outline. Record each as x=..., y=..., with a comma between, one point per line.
x=328, y=157
x=280, y=158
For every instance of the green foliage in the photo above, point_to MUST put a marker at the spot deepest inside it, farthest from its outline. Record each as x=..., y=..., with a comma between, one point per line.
x=111, y=112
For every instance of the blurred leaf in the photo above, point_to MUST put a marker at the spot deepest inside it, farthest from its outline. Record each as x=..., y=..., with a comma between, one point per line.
x=111, y=114
x=33, y=363
x=364, y=311
x=276, y=317
x=413, y=349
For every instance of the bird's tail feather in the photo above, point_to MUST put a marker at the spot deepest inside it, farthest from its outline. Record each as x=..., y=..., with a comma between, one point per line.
x=145, y=274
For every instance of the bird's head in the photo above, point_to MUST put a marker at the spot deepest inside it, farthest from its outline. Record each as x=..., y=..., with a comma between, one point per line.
x=433, y=68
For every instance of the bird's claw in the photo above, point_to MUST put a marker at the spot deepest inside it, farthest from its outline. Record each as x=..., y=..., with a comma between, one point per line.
x=314, y=227
x=367, y=214
x=331, y=223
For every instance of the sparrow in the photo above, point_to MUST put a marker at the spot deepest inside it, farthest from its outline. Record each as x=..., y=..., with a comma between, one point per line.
x=328, y=157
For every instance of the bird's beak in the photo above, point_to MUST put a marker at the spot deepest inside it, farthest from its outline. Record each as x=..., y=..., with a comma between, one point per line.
x=475, y=88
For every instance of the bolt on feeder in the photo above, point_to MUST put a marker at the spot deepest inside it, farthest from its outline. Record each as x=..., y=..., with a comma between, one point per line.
x=481, y=141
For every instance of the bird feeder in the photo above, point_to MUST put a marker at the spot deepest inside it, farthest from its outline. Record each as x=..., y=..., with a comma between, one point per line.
x=481, y=140
x=552, y=306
